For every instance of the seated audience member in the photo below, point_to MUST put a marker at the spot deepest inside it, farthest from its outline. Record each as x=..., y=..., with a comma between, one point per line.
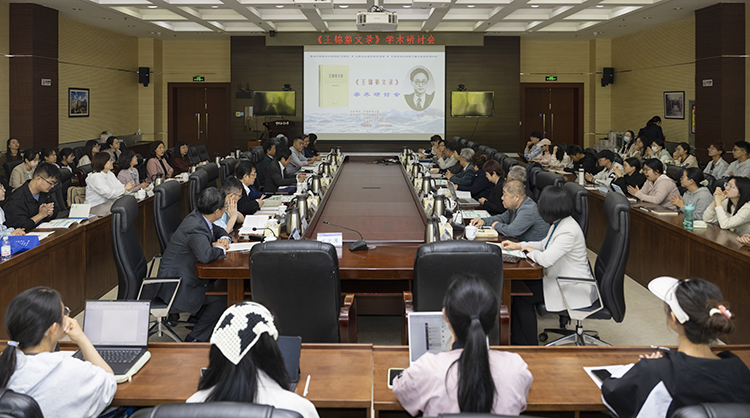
x=298, y=159
x=23, y=172
x=251, y=200
x=658, y=188
x=4, y=230
x=562, y=252
x=233, y=189
x=157, y=163
x=682, y=156
x=31, y=204
x=197, y=240
x=310, y=151
x=545, y=157
x=89, y=150
x=605, y=176
x=65, y=160
x=696, y=194
x=559, y=159
x=630, y=175
x=113, y=150
x=493, y=203
x=180, y=161
x=521, y=220
x=666, y=380
x=49, y=155
x=471, y=378
x=12, y=153
x=63, y=386
x=432, y=151
x=128, y=173
x=740, y=167
x=466, y=176
x=657, y=151
x=533, y=149
x=517, y=173
x=245, y=364
x=717, y=167
x=480, y=186
x=446, y=156
x=581, y=160
x=730, y=208
x=101, y=183
x=276, y=176
x=269, y=151
x=629, y=148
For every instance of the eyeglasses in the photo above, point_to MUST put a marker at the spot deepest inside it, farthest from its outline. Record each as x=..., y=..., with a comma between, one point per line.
x=420, y=82
x=66, y=311
x=49, y=182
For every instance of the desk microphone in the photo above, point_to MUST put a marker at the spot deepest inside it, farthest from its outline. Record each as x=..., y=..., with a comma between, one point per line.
x=360, y=245
x=266, y=229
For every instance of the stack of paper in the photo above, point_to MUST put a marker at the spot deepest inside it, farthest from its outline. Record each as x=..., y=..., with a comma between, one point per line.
x=60, y=223
x=41, y=235
x=471, y=214
x=254, y=221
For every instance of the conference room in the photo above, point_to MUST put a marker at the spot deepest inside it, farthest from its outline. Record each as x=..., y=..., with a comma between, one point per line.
x=229, y=79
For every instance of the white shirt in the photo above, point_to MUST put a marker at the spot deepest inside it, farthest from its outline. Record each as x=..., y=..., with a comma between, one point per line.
x=718, y=170
x=606, y=176
x=737, y=222
x=101, y=187
x=739, y=169
x=270, y=393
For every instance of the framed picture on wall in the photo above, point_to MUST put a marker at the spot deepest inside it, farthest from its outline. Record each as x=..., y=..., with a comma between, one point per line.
x=78, y=103
x=674, y=105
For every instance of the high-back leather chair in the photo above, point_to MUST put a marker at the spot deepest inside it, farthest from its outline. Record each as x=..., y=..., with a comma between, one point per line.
x=198, y=181
x=78, y=153
x=532, y=170
x=65, y=181
x=9, y=166
x=194, y=154
x=203, y=152
x=215, y=410
x=482, y=149
x=544, y=179
x=81, y=173
x=580, y=197
x=167, y=216
x=299, y=282
x=508, y=163
x=714, y=410
x=674, y=172
x=463, y=142
x=437, y=263
x=18, y=405
x=212, y=173
x=227, y=169
x=711, y=182
x=471, y=144
x=257, y=154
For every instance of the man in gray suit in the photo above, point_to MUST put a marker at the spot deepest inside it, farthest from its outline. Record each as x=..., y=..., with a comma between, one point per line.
x=197, y=240
x=521, y=220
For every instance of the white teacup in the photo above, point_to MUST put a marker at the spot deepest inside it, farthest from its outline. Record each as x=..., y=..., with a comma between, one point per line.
x=141, y=194
x=470, y=232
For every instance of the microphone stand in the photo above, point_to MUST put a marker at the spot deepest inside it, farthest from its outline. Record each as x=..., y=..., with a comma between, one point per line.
x=360, y=245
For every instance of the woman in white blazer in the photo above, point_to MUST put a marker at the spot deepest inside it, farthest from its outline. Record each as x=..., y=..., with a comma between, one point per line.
x=102, y=185
x=562, y=253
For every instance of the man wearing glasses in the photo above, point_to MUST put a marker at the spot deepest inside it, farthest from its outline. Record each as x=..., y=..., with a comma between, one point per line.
x=32, y=203
x=740, y=167
x=420, y=99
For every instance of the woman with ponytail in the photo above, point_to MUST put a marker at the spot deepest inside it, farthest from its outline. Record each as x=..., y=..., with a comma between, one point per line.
x=470, y=377
x=62, y=385
x=664, y=381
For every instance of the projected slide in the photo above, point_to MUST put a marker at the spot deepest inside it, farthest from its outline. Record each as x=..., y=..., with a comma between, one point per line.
x=366, y=94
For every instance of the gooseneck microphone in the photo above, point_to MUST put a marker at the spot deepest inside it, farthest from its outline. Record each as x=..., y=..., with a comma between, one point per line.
x=266, y=229
x=360, y=245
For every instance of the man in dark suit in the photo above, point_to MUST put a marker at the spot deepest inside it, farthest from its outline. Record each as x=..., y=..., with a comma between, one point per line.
x=197, y=240
x=269, y=151
x=465, y=177
x=32, y=203
x=276, y=177
x=419, y=100
x=251, y=200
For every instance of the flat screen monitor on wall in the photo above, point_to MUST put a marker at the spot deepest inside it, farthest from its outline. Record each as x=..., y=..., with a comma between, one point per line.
x=472, y=103
x=274, y=103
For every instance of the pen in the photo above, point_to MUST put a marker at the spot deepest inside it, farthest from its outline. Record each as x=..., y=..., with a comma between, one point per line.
x=307, y=386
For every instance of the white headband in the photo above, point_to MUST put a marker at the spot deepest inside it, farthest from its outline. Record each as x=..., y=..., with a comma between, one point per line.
x=665, y=288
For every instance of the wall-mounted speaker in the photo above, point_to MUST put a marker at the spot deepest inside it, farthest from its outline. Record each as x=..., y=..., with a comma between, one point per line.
x=272, y=33
x=144, y=75
x=608, y=76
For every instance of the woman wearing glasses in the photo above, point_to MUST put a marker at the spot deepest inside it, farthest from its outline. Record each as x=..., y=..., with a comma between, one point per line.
x=63, y=386
x=730, y=208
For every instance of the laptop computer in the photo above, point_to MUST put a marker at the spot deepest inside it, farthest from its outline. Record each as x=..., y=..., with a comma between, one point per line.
x=428, y=333
x=118, y=329
x=461, y=200
x=291, y=348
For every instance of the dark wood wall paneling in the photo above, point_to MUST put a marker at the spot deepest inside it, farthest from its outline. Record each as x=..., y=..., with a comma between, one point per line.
x=33, y=107
x=719, y=45
x=494, y=66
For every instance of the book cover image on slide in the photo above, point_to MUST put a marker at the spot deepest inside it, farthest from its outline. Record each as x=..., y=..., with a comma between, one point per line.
x=333, y=89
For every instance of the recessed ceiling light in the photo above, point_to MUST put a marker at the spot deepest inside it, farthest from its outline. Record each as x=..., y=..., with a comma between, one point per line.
x=600, y=5
x=677, y=8
x=344, y=6
x=214, y=7
x=646, y=17
x=469, y=5
x=75, y=9
x=535, y=5
x=279, y=6
x=152, y=7
x=406, y=6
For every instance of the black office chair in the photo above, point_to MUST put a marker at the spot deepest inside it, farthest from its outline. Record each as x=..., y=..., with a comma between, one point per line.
x=194, y=154
x=674, y=172
x=9, y=166
x=609, y=275
x=471, y=144
x=482, y=149
x=257, y=154
x=65, y=181
x=59, y=199
x=479, y=415
x=531, y=172
x=544, y=179
x=198, y=181
x=580, y=197
x=714, y=410
x=18, y=405
x=215, y=410
x=78, y=153
x=508, y=163
x=212, y=173
x=711, y=182
x=434, y=267
x=299, y=282
x=81, y=173
x=227, y=169
x=132, y=272
x=203, y=152
x=167, y=216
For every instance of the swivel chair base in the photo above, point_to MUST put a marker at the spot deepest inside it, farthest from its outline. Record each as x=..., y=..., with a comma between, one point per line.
x=579, y=336
x=160, y=327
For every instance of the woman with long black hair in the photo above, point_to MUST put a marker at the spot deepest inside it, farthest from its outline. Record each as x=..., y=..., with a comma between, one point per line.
x=470, y=377
x=730, y=207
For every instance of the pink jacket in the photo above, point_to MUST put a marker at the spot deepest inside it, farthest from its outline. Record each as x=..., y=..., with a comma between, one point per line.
x=659, y=192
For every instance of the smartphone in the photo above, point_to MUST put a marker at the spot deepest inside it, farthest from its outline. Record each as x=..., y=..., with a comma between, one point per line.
x=392, y=374
x=602, y=374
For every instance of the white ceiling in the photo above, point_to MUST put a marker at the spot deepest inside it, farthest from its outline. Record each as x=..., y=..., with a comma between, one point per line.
x=215, y=19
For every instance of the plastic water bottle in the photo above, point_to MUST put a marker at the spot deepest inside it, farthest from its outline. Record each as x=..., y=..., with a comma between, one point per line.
x=688, y=222
x=5, y=248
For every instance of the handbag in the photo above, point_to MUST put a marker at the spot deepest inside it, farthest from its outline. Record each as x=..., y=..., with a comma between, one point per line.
x=21, y=243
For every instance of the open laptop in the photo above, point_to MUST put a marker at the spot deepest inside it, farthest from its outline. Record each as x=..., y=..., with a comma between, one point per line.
x=462, y=200
x=428, y=333
x=118, y=329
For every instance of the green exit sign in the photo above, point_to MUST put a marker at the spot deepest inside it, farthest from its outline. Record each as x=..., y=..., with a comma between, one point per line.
x=550, y=78
x=199, y=78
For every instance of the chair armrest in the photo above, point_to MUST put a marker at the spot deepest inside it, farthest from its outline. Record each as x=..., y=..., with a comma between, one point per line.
x=156, y=261
x=408, y=308
x=348, y=320
x=570, y=288
x=504, y=325
x=156, y=285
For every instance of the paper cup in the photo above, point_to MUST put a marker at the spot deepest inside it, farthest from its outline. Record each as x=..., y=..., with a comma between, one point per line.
x=470, y=232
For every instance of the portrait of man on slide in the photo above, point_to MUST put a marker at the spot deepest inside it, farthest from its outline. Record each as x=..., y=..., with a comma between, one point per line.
x=419, y=100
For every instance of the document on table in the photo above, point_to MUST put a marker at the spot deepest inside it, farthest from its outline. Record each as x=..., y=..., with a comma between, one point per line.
x=471, y=214
x=242, y=246
x=280, y=197
x=59, y=223
x=514, y=253
x=254, y=221
x=41, y=235
x=615, y=371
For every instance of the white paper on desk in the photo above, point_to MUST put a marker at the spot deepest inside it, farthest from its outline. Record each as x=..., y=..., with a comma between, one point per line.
x=514, y=253
x=443, y=191
x=254, y=221
x=241, y=246
x=471, y=214
x=41, y=235
x=79, y=211
x=617, y=371
x=463, y=195
x=59, y=223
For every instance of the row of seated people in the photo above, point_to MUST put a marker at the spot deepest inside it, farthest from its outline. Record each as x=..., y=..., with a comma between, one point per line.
x=245, y=363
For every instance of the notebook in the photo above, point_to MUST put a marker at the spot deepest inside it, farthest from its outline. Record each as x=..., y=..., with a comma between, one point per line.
x=79, y=211
x=118, y=329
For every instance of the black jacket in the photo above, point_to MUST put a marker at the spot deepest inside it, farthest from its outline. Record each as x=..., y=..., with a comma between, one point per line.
x=276, y=177
x=587, y=162
x=494, y=203
x=21, y=206
x=651, y=132
x=636, y=180
x=479, y=187
x=247, y=206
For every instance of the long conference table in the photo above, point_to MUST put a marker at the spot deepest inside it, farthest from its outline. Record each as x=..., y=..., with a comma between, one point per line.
x=380, y=202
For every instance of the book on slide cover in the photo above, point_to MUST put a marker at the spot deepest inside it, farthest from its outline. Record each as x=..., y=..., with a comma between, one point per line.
x=333, y=88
